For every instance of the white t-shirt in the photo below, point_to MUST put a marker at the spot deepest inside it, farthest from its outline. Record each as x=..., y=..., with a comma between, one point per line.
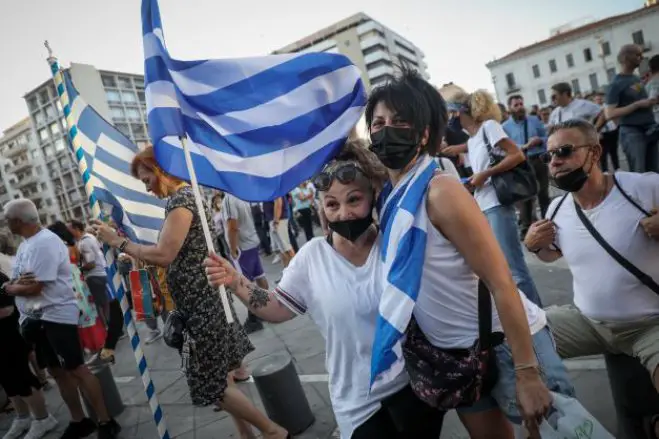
x=46, y=256
x=90, y=250
x=603, y=289
x=447, y=306
x=485, y=196
x=577, y=109
x=343, y=301
x=241, y=211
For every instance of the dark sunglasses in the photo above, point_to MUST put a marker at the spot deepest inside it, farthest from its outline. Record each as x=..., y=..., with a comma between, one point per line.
x=345, y=174
x=562, y=152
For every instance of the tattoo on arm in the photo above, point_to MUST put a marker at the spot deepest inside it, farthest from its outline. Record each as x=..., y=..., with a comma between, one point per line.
x=258, y=297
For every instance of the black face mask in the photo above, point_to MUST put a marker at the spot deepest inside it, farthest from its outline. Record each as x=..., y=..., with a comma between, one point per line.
x=571, y=181
x=353, y=228
x=394, y=146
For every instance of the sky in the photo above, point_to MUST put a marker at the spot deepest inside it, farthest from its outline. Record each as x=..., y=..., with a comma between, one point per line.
x=458, y=37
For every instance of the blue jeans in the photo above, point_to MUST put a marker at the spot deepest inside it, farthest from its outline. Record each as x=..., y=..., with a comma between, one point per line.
x=503, y=221
x=642, y=155
x=504, y=394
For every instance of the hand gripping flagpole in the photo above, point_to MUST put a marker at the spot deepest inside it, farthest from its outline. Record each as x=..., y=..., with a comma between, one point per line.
x=204, y=222
x=112, y=271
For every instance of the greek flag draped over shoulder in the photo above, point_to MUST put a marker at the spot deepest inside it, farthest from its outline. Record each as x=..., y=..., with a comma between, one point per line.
x=255, y=127
x=404, y=225
x=109, y=154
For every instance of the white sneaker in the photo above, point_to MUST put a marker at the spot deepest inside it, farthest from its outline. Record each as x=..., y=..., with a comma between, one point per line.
x=276, y=259
x=153, y=336
x=18, y=427
x=40, y=428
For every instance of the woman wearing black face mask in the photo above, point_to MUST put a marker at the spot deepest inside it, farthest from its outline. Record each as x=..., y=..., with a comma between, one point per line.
x=337, y=280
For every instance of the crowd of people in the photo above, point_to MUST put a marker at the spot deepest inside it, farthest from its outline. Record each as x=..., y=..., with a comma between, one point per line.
x=497, y=366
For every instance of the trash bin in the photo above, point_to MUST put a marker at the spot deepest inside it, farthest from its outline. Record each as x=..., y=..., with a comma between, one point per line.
x=281, y=393
x=111, y=396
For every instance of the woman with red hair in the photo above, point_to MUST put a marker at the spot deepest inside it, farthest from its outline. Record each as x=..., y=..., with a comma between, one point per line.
x=215, y=347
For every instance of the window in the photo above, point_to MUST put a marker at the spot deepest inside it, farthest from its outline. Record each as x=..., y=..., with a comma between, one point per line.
x=133, y=113
x=58, y=104
x=594, y=85
x=108, y=81
x=542, y=97
x=49, y=202
x=576, y=88
x=536, y=71
x=606, y=48
x=48, y=151
x=637, y=38
x=123, y=128
x=60, y=144
x=510, y=80
x=128, y=96
x=552, y=65
x=54, y=128
x=141, y=97
x=43, y=97
x=138, y=130
x=125, y=82
x=610, y=74
x=587, y=54
x=373, y=49
x=112, y=96
x=32, y=103
x=371, y=33
x=138, y=82
x=44, y=186
x=43, y=134
x=117, y=112
x=39, y=117
x=569, y=59
x=34, y=154
x=50, y=112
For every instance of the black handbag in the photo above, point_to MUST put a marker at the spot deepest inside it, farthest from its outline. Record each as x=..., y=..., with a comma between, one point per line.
x=514, y=185
x=449, y=378
x=174, y=329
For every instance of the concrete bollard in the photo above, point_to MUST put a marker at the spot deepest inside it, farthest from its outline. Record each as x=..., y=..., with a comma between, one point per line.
x=111, y=396
x=281, y=393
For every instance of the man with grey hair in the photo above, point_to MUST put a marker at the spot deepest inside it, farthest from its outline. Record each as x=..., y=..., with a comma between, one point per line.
x=627, y=100
x=41, y=282
x=607, y=229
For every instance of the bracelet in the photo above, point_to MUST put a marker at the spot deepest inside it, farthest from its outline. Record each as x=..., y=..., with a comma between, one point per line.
x=525, y=366
x=534, y=251
x=123, y=245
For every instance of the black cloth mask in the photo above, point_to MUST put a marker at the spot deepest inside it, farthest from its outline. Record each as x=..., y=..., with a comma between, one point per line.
x=572, y=181
x=395, y=147
x=353, y=228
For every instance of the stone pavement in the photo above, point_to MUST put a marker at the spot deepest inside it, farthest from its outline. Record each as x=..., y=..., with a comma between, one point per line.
x=302, y=341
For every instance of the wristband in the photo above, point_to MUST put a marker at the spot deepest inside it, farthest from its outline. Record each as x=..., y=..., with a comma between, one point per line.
x=123, y=245
x=525, y=366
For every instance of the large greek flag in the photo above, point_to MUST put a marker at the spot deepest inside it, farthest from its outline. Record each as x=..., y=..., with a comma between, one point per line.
x=404, y=225
x=256, y=127
x=109, y=154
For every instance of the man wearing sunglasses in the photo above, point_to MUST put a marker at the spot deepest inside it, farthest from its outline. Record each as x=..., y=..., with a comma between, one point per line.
x=607, y=229
x=627, y=99
x=569, y=107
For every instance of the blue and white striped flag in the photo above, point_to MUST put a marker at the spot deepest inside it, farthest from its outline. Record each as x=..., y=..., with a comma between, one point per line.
x=109, y=154
x=255, y=127
x=404, y=225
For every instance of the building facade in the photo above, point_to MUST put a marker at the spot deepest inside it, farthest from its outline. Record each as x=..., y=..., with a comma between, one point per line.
x=22, y=169
x=118, y=97
x=370, y=45
x=583, y=56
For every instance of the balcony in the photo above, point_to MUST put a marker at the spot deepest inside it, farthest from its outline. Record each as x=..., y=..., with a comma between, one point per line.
x=372, y=41
x=26, y=181
x=23, y=164
x=17, y=149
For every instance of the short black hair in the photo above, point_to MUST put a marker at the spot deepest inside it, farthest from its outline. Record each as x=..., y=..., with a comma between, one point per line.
x=403, y=96
x=60, y=229
x=77, y=225
x=562, y=87
x=513, y=97
x=653, y=64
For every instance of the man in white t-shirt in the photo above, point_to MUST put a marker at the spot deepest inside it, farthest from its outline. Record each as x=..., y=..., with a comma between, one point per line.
x=92, y=265
x=42, y=284
x=244, y=245
x=615, y=311
x=567, y=107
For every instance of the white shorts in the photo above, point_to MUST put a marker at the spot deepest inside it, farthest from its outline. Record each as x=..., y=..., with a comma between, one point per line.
x=279, y=236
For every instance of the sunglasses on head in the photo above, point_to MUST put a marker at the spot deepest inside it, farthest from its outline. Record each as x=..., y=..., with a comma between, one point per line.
x=345, y=174
x=562, y=152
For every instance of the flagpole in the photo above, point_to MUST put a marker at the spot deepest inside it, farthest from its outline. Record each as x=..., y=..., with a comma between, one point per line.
x=113, y=274
x=204, y=222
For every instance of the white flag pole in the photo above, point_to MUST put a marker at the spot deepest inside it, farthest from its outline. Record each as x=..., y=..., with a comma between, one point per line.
x=204, y=221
